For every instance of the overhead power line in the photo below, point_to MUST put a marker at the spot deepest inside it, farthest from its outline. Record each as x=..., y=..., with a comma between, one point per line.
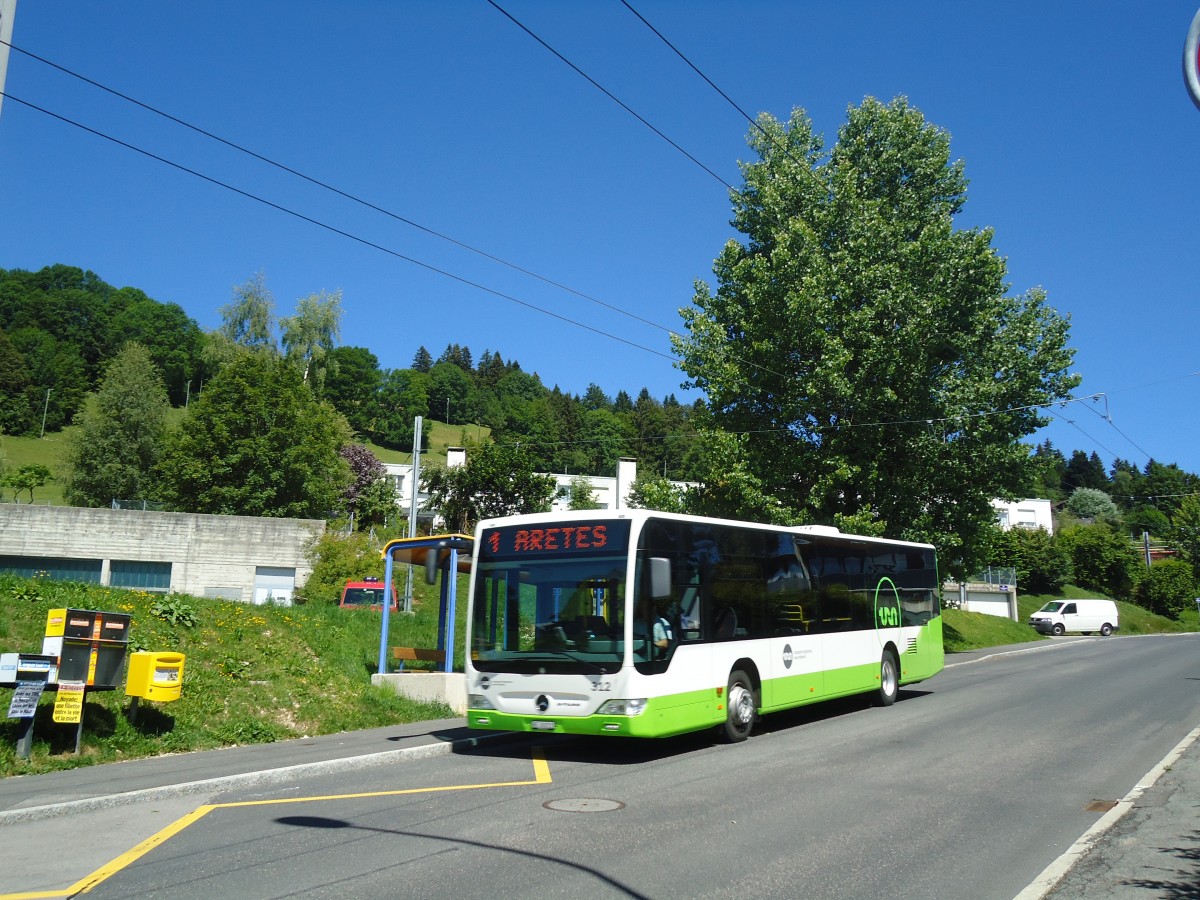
x=609, y=94
x=463, y=245
x=346, y=234
x=336, y=190
x=370, y=205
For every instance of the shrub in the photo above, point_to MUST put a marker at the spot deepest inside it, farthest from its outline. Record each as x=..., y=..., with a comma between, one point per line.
x=1168, y=588
x=1089, y=503
x=1042, y=562
x=174, y=610
x=1103, y=559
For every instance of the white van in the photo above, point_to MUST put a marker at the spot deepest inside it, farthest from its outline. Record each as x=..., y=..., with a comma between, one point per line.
x=1086, y=616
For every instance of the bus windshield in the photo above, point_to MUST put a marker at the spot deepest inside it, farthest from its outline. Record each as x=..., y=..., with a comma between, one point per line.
x=553, y=601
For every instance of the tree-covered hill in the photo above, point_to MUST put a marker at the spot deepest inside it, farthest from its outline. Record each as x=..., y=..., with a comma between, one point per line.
x=61, y=326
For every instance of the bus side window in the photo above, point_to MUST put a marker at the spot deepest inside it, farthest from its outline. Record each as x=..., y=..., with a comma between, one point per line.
x=688, y=627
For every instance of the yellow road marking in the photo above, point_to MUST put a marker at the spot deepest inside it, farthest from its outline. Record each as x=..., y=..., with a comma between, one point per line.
x=541, y=775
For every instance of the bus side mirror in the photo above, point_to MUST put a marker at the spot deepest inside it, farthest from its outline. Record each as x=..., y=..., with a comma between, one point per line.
x=660, y=577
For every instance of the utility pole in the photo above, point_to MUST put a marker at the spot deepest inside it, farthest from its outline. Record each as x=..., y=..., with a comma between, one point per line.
x=8, y=11
x=45, y=409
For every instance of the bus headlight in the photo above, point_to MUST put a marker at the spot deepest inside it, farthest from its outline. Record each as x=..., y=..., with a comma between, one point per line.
x=622, y=707
x=479, y=701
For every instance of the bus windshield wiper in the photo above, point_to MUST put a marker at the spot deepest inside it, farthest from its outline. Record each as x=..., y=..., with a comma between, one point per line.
x=571, y=656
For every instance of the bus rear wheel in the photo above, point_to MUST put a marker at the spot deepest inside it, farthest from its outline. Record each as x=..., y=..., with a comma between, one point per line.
x=741, y=705
x=889, y=679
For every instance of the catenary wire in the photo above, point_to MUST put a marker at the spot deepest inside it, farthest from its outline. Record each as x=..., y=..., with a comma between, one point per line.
x=336, y=190
x=493, y=291
x=609, y=94
x=483, y=253
x=368, y=204
x=346, y=234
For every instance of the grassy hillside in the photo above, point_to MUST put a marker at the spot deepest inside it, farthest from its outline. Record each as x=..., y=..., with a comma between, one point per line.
x=971, y=631
x=252, y=674
x=51, y=450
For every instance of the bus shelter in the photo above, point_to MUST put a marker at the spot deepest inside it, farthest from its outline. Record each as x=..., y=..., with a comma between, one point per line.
x=445, y=553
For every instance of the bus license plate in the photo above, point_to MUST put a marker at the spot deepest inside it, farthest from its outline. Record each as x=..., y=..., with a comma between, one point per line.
x=541, y=726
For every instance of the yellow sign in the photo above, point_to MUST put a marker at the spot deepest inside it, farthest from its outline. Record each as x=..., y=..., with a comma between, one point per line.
x=68, y=706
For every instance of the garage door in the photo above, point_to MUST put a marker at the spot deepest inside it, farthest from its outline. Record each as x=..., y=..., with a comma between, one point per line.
x=987, y=603
x=274, y=584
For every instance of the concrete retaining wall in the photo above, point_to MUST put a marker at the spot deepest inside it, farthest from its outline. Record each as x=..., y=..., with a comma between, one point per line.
x=217, y=556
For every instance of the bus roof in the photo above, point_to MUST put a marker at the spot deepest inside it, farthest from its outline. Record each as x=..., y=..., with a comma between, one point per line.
x=640, y=515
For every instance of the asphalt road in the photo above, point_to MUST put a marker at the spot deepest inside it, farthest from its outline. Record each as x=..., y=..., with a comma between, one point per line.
x=973, y=785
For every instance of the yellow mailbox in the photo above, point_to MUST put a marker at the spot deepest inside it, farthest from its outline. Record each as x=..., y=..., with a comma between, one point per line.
x=155, y=676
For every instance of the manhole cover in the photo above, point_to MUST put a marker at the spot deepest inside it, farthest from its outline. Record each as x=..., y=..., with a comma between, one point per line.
x=583, y=805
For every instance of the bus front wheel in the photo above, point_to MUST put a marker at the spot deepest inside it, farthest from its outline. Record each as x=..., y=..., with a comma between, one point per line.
x=741, y=704
x=889, y=679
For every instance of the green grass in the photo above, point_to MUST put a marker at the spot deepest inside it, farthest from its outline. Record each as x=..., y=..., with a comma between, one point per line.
x=252, y=674
x=964, y=631
x=51, y=450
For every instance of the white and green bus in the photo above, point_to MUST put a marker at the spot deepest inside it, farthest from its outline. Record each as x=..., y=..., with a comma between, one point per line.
x=648, y=624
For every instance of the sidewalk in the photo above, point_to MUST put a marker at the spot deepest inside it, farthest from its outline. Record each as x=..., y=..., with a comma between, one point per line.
x=1153, y=849
x=29, y=797
x=1148, y=846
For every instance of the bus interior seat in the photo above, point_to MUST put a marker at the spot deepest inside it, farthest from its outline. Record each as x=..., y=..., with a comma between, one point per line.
x=593, y=624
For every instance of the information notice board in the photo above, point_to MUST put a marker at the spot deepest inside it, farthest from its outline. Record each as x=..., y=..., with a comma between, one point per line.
x=25, y=699
x=68, y=705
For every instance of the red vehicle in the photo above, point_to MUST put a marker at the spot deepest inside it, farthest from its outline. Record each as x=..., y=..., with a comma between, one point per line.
x=366, y=594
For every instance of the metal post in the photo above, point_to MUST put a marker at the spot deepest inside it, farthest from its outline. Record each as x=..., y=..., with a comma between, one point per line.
x=45, y=409
x=451, y=583
x=412, y=506
x=387, y=606
x=8, y=11
x=25, y=737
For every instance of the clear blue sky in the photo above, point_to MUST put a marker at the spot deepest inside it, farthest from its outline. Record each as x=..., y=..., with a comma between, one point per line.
x=1081, y=144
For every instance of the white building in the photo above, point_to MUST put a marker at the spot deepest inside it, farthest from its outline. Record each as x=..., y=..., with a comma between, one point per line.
x=607, y=492
x=1024, y=514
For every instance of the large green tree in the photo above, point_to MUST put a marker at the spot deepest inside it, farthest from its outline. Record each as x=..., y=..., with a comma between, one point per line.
x=15, y=415
x=114, y=452
x=403, y=395
x=172, y=337
x=351, y=385
x=311, y=334
x=870, y=350
x=257, y=443
x=496, y=480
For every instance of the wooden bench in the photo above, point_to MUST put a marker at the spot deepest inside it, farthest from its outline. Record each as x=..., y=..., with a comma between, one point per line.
x=413, y=654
